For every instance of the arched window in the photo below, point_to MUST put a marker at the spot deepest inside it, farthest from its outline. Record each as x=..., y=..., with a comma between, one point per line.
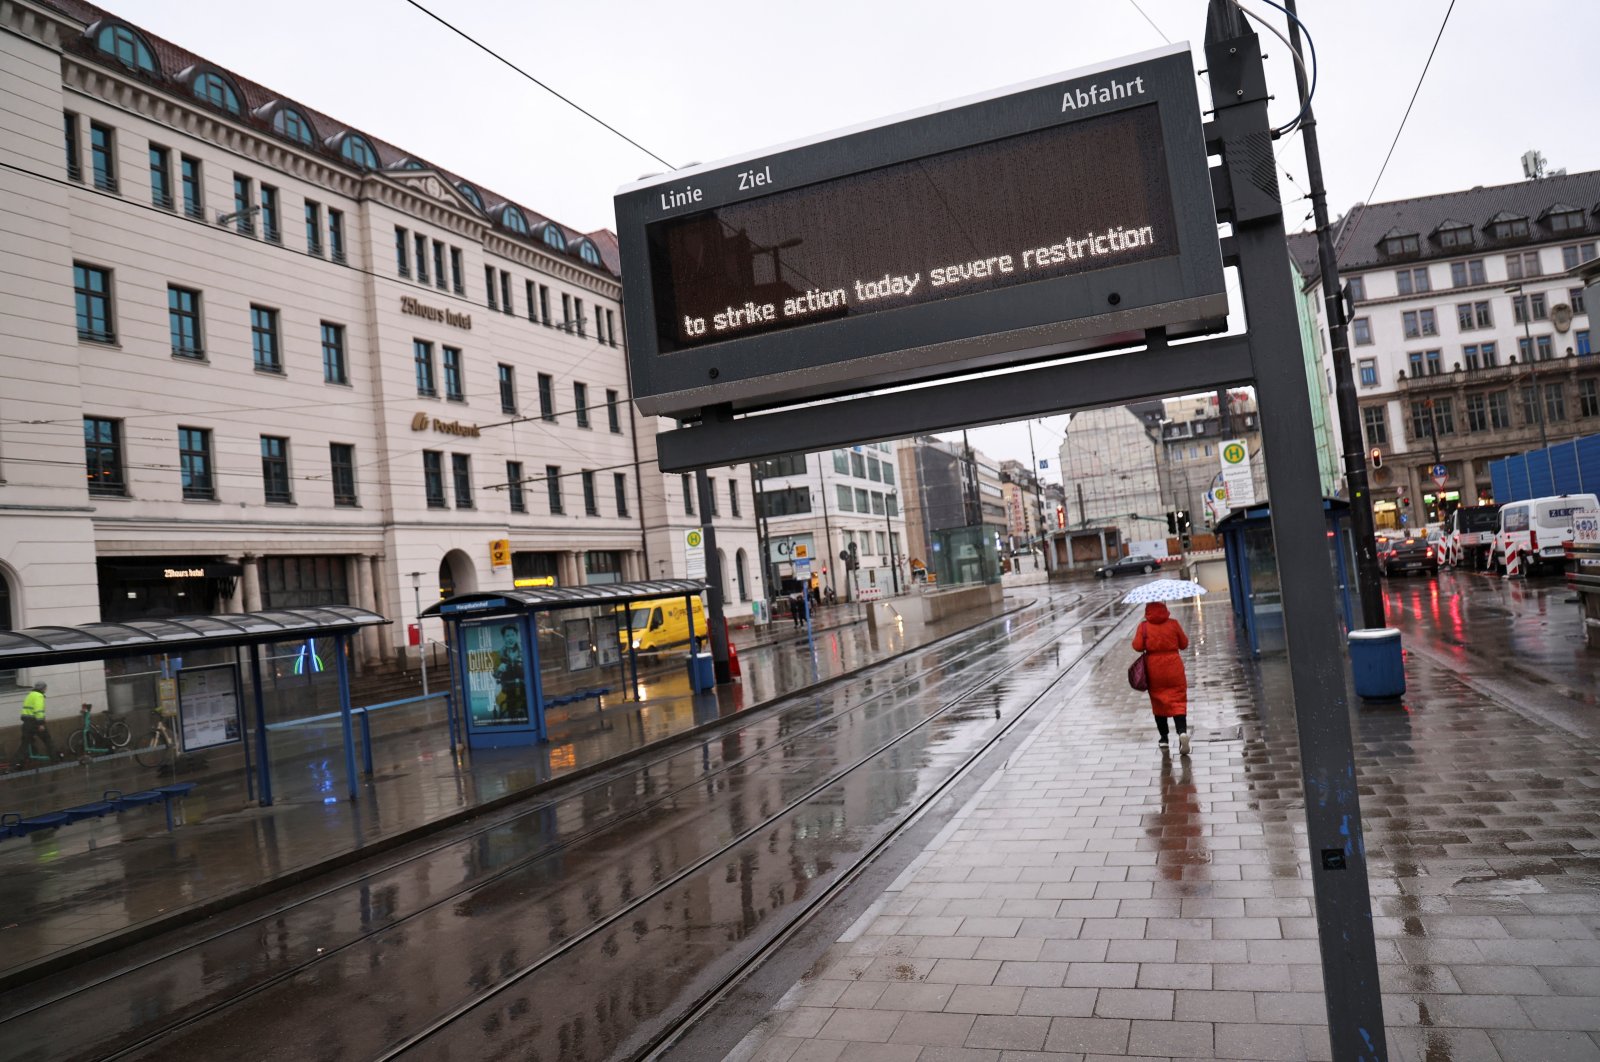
x=215, y=90
x=513, y=219
x=410, y=164
x=744, y=581
x=589, y=253
x=552, y=236
x=288, y=122
x=127, y=48
x=353, y=147
x=471, y=194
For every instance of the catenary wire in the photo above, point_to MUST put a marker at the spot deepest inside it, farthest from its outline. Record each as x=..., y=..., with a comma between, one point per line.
x=1310, y=74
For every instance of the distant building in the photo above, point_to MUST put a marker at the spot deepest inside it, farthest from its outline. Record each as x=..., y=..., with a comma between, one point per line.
x=1470, y=338
x=1110, y=473
x=1190, y=429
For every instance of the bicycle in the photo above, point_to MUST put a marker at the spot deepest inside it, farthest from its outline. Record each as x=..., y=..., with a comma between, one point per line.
x=92, y=740
x=155, y=748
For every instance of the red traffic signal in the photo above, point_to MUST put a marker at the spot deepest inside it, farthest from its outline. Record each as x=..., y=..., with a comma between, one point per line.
x=1377, y=457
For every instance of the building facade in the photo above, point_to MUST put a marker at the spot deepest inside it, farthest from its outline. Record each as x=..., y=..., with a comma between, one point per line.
x=1469, y=334
x=1111, y=474
x=829, y=503
x=1191, y=429
x=255, y=358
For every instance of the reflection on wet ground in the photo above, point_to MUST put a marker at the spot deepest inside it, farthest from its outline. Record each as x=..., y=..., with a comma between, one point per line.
x=1103, y=899
x=629, y=892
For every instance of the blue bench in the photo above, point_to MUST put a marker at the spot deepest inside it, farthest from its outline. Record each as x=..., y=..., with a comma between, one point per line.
x=14, y=824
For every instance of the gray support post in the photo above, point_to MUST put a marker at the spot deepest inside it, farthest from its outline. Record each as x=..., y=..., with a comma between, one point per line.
x=714, y=617
x=633, y=654
x=263, y=756
x=341, y=644
x=528, y=627
x=1316, y=655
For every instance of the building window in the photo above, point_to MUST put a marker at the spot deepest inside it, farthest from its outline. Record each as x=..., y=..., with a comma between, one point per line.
x=1575, y=300
x=514, y=492
x=335, y=369
x=858, y=465
x=1361, y=329
x=92, y=288
x=552, y=483
x=508, y=388
x=454, y=386
x=489, y=289
x=1499, y=410
x=863, y=501
x=1588, y=399
x=438, y=265
x=1582, y=337
x=103, y=156
x=1357, y=287
x=553, y=237
x=580, y=400
x=354, y=149
x=1477, y=413
x=461, y=475
x=733, y=498
x=532, y=299
x=711, y=490
x=547, y=396
x=1572, y=256
x=189, y=179
x=313, y=228
x=1422, y=424
x=194, y=464
x=102, y=456
x=611, y=328
x=688, y=494
x=422, y=356
x=1369, y=372
x=402, y=252
x=513, y=219
x=1523, y=264
x=455, y=271
x=1456, y=236
x=1465, y=274
x=421, y=243
x=544, y=304
x=792, y=501
x=874, y=469
x=269, y=214
x=161, y=177
x=619, y=483
x=69, y=126
x=578, y=317
x=1418, y=323
x=1564, y=220
x=1470, y=355
x=1375, y=421
x=433, y=478
x=1530, y=405
x=566, y=313
x=591, y=506
x=183, y=318
x=841, y=462
x=336, y=235
x=1402, y=245
x=877, y=504
x=127, y=48
x=264, y=339
x=845, y=498
x=888, y=466
x=599, y=326
x=505, y=293
x=1412, y=281
x=342, y=463
x=290, y=123
x=613, y=412
x=1414, y=363
x=1510, y=228
x=215, y=90
x=1555, y=402
x=1434, y=361
x=1471, y=315
x=244, y=219
x=1545, y=346
x=275, y=469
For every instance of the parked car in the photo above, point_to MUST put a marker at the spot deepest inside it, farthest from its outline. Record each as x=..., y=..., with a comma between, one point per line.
x=1139, y=562
x=1409, y=555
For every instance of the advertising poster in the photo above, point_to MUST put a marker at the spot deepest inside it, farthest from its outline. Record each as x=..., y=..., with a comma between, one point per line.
x=497, y=673
x=208, y=706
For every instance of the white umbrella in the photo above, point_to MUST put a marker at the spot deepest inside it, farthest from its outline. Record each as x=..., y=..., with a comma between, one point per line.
x=1164, y=590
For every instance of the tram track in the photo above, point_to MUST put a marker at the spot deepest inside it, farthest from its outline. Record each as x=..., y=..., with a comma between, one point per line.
x=804, y=706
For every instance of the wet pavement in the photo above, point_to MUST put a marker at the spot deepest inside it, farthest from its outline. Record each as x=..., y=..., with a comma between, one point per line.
x=90, y=884
x=565, y=927
x=1099, y=899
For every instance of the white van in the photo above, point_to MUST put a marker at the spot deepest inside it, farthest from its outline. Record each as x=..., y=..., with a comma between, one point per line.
x=1532, y=532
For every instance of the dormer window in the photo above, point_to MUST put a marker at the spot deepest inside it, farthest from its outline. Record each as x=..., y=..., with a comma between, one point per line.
x=1402, y=244
x=1504, y=226
x=1563, y=218
x=128, y=48
x=470, y=194
x=1454, y=235
x=355, y=149
x=552, y=237
x=292, y=125
x=215, y=90
x=589, y=253
x=513, y=219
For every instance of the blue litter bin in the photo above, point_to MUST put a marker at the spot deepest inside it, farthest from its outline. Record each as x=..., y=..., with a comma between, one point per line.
x=1377, y=664
x=702, y=674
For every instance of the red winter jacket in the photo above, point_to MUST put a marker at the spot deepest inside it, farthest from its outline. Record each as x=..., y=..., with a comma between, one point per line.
x=1161, y=636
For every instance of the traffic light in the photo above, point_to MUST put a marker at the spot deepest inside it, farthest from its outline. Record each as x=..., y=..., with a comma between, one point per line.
x=1377, y=457
x=1172, y=523
x=1182, y=516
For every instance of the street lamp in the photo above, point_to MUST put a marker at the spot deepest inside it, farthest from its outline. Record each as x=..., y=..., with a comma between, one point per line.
x=1515, y=290
x=422, y=641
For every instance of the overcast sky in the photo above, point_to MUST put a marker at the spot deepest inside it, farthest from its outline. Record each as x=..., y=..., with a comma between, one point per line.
x=699, y=80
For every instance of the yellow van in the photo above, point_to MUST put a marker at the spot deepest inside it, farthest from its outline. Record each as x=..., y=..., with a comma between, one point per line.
x=661, y=622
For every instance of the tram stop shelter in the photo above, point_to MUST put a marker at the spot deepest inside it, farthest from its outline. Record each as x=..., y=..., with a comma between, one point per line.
x=192, y=670
x=515, y=653
x=1253, y=581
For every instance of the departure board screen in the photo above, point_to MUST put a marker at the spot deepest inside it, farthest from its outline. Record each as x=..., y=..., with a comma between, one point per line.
x=1068, y=199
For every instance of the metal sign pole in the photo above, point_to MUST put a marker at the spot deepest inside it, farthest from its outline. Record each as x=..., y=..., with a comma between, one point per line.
x=714, y=617
x=1316, y=657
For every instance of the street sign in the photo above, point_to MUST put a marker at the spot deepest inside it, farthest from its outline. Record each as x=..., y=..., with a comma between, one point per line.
x=1586, y=527
x=694, y=554
x=1236, y=478
x=1067, y=214
x=1440, y=474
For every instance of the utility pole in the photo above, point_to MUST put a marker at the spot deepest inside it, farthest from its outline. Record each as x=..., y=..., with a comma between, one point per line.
x=827, y=537
x=763, y=532
x=1368, y=581
x=1038, y=505
x=714, y=617
x=1531, y=359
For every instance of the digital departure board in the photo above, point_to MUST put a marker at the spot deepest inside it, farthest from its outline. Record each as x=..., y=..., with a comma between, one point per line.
x=1068, y=214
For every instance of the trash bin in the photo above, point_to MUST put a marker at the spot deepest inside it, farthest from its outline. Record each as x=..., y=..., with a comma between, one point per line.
x=702, y=674
x=1378, y=664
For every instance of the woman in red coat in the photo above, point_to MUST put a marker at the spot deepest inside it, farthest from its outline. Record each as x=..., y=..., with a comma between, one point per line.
x=1161, y=637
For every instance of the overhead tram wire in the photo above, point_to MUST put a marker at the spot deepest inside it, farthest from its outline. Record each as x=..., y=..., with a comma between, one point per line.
x=564, y=99
x=1311, y=74
x=1150, y=20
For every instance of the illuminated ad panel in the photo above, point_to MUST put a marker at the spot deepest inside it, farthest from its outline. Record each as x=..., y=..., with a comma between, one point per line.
x=1067, y=215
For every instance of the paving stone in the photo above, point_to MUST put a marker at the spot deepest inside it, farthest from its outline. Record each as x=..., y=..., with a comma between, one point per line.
x=874, y=1026
x=1088, y=1035
x=1019, y=1033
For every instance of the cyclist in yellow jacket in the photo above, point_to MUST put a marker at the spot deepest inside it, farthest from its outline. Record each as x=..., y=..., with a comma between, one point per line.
x=33, y=726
